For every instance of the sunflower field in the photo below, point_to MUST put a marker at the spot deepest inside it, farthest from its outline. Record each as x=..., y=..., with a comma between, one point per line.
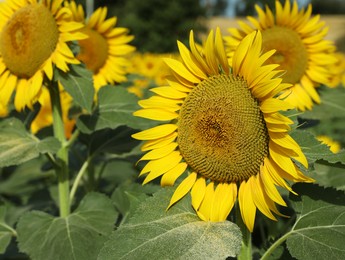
x=134, y=130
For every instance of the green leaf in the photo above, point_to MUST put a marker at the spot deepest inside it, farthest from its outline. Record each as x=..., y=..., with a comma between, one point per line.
x=128, y=196
x=5, y=233
x=332, y=105
x=26, y=179
x=329, y=176
x=18, y=146
x=78, y=236
x=314, y=150
x=319, y=230
x=154, y=233
x=115, y=108
x=78, y=83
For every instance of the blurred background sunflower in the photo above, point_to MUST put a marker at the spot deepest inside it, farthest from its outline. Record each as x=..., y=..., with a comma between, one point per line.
x=105, y=50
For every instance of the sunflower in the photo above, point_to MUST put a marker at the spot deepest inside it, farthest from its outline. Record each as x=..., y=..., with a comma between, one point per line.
x=34, y=37
x=44, y=117
x=150, y=71
x=104, y=51
x=301, y=49
x=222, y=131
x=338, y=70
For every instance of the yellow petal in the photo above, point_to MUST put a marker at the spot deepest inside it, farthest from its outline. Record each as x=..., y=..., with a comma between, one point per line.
x=156, y=114
x=169, y=178
x=169, y=92
x=160, y=142
x=160, y=166
x=259, y=198
x=205, y=208
x=155, y=132
x=247, y=206
x=183, y=189
x=268, y=184
x=159, y=152
x=181, y=70
x=229, y=191
x=198, y=193
x=272, y=105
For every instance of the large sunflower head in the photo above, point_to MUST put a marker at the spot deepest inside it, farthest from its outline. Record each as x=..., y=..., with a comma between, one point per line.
x=105, y=51
x=301, y=48
x=33, y=37
x=222, y=130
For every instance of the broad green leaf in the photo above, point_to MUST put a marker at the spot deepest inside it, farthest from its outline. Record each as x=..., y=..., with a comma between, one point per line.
x=78, y=236
x=5, y=232
x=332, y=105
x=115, y=108
x=78, y=83
x=128, y=196
x=314, y=150
x=319, y=230
x=18, y=146
x=154, y=233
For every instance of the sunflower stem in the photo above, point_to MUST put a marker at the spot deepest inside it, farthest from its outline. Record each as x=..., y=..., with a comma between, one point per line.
x=270, y=250
x=246, y=249
x=61, y=168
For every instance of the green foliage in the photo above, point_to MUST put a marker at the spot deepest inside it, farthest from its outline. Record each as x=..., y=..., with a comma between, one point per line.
x=5, y=231
x=158, y=24
x=320, y=224
x=115, y=108
x=78, y=236
x=17, y=145
x=78, y=83
x=178, y=233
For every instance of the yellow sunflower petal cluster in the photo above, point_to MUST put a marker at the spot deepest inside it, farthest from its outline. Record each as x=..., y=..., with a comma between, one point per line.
x=150, y=69
x=338, y=70
x=334, y=146
x=44, y=117
x=222, y=131
x=301, y=48
x=105, y=51
x=34, y=37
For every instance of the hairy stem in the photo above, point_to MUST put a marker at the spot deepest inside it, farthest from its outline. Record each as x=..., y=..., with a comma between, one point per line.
x=62, y=155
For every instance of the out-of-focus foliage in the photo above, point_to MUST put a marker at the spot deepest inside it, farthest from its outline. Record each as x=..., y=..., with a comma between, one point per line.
x=156, y=29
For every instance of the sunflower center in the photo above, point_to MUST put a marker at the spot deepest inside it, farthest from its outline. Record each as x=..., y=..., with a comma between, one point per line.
x=28, y=39
x=291, y=53
x=93, y=50
x=221, y=131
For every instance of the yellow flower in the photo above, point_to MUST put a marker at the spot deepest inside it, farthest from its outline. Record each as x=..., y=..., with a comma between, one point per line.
x=149, y=65
x=301, y=49
x=150, y=70
x=338, y=70
x=44, y=117
x=333, y=145
x=104, y=51
x=33, y=37
x=222, y=130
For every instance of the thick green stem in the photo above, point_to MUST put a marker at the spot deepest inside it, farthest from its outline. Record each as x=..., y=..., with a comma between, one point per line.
x=62, y=155
x=246, y=249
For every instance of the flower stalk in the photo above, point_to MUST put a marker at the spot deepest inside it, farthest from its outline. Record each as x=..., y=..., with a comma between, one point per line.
x=61, y=167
